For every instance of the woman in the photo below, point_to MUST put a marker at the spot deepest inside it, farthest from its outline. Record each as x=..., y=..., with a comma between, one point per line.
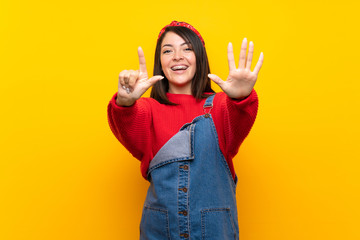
x=191, y=173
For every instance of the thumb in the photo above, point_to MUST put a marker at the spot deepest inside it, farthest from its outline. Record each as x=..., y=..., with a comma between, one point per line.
x=151, y=81
x=216, y=80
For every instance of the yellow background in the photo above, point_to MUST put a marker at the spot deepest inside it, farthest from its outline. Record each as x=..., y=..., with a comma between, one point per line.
x=63, y=175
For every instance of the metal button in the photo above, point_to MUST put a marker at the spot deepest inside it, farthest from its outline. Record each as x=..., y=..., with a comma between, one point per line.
x=183, y=213
x=185, y=167
x=185, y=235
x=207, y=115
x=184, y=189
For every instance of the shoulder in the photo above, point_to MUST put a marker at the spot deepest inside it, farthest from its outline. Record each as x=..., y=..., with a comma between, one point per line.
x=220, y=100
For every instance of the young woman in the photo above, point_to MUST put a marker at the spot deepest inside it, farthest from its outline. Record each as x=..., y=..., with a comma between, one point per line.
x=185, y=135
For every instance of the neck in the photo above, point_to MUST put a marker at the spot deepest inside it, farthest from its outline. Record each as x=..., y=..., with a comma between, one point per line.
x=180, y=89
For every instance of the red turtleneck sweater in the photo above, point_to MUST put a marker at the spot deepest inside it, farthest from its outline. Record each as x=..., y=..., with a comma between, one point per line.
x=146, y=126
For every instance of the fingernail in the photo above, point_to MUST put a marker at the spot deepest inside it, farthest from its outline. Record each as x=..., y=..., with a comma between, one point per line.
x=128, y=90
x=161, y=78
x=124, y=87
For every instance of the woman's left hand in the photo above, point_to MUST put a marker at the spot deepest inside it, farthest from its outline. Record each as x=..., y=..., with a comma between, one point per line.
x=241, y=80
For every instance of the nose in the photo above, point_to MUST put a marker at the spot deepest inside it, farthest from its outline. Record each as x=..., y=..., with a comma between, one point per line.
x=178, y=55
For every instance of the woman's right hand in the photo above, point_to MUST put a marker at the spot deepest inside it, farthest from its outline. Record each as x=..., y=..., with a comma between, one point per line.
x=134, y=83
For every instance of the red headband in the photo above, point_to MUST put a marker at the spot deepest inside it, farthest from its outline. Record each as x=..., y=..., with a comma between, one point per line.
x=182, y=24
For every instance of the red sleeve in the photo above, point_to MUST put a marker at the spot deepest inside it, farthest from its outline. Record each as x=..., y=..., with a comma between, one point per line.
x=131, y=125
x=233, y=121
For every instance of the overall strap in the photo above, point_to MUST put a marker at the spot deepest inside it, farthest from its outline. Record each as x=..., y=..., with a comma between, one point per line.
x=209, y=101
x=208, y=105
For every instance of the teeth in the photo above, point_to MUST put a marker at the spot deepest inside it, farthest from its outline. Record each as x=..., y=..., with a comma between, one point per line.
x=179, y=68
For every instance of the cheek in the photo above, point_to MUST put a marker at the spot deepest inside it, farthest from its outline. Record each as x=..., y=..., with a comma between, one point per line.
x=161, y=62
x=164, y=63
x=164, y=67
x=194, y=63
x=192, y=59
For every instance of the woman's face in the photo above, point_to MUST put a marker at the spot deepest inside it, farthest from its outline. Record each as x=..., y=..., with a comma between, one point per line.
x=178, y=63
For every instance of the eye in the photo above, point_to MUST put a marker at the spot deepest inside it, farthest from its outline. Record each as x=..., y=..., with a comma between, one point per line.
x=188, y=49
x=166, y=51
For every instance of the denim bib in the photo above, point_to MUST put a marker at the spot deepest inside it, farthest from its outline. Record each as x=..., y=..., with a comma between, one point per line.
x=192, y=192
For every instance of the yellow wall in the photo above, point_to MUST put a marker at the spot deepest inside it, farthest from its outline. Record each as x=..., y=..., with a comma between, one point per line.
x=63, y=175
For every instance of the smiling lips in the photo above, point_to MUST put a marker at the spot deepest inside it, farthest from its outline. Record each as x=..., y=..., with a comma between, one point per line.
x=179, y=67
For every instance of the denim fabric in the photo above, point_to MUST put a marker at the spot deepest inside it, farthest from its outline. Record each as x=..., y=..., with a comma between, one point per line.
x=192, y=192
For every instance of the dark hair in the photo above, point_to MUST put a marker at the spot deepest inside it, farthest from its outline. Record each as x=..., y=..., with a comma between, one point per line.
x=200, y=83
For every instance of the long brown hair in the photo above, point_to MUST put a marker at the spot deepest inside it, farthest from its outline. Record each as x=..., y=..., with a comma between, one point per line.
x=200, y=83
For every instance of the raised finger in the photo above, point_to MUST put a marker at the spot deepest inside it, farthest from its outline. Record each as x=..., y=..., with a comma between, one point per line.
x=250, y=55
x=259, y=64
x=242, y=58
x=231, y=60
x=216, y=79
x=142, y=61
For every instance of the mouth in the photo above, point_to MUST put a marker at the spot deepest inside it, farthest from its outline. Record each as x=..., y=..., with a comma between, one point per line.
x=179, y=67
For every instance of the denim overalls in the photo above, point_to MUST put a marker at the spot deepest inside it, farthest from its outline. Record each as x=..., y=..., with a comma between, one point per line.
x=192, y=192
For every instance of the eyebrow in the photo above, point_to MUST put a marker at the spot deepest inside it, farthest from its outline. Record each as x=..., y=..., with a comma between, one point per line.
x=170, y=45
